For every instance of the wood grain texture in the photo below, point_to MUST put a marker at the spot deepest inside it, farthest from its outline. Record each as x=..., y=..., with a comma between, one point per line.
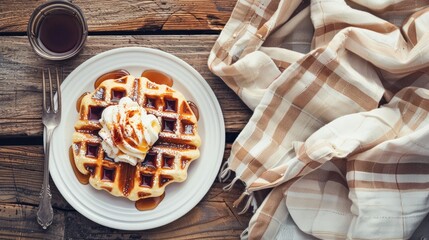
x=20, y=180
x=21, y=86
x=18, y=221
x=129, y=15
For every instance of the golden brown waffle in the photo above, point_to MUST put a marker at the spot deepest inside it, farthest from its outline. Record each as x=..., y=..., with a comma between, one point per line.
x=168, y=159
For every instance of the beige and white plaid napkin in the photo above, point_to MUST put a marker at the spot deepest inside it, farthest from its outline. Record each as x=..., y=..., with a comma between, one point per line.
x=340, y=129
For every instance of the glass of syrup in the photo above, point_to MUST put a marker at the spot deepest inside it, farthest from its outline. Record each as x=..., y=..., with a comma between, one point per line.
x=57, y=30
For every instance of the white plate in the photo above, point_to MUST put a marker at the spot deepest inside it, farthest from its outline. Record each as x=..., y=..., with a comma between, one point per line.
x=120, y=213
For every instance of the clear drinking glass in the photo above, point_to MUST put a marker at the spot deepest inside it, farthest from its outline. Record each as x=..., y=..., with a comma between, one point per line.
x=57, y=30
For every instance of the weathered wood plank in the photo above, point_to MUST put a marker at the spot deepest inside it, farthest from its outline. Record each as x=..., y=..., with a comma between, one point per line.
x=130, y=15
x=21, y=174
x=21, y=87
x=19, y=222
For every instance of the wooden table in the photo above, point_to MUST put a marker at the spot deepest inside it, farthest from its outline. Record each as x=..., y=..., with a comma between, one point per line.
x=185, y=28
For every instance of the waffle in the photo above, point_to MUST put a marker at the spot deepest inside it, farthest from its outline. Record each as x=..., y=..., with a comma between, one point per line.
x=168, y=159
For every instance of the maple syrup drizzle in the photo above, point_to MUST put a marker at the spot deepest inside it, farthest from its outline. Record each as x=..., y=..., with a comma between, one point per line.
x=154, y=76
x=79, y=101
x=149, y=203
x=194, y=109
x=158, y=77
x=111, y=75
x=82, y=178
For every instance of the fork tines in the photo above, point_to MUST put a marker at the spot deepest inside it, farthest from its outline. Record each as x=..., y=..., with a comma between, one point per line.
x=51, y=92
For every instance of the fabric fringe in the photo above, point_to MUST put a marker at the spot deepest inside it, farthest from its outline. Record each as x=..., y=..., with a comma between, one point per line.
x=249, y=201
x=245, y=234
x=240, y=199
x=254, y=205
x=246, y=207
x=225, y=173
x=231, y=184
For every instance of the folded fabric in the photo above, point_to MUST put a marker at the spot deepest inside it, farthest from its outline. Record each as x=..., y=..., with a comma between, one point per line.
x=340, y=127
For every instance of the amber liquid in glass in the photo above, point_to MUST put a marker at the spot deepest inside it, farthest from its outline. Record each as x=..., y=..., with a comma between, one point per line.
x=60, y=32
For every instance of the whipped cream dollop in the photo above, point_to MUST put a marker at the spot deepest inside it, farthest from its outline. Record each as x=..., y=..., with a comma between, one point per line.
x=128, y=131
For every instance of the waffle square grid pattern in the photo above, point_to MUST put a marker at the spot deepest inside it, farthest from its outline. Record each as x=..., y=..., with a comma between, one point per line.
x=168, y=159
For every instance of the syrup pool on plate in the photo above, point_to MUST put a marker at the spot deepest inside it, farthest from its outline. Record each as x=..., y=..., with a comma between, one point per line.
x=115, y=74
x=82, y=178
x=149, y=203
x=158, y=77
x=194, y=109
x=79, y=100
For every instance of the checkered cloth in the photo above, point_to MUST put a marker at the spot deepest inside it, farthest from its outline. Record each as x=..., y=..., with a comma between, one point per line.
x=340, y=129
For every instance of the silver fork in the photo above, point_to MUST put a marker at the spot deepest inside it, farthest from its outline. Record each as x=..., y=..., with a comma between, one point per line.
x=50, y=118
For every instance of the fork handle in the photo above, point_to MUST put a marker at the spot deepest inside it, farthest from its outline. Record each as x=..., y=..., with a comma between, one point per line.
x=45, y=214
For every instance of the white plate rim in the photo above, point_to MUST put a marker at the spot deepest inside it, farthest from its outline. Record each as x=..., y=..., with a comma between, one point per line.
x=112, y=221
